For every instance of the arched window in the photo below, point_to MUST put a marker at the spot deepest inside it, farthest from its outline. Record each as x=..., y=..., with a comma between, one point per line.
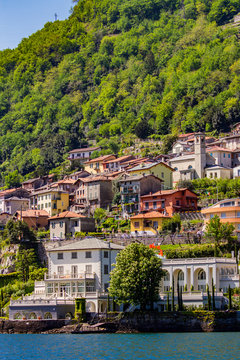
x=47, y=315
x=176, y=169
x=201, y=275
x=180, y=276
x=190, y=167
x=33, y=316
x=17, y=316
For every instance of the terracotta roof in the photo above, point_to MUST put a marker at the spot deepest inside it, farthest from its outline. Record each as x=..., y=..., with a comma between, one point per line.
x=96, y=178
x=217, y=148
x=100, y=158
x=33, y=213
x=64, y=181
x=66, y=215
x=120, y=159
x=84, y=149
x=138, y=177
x=167, y=192
x=185, y=135
x=149, y=215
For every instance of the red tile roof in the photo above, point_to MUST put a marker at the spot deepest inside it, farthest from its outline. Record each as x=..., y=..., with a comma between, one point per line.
x=67, y=214
x=217, y=148
x=33, y=213
x=100, y=158
x=150, y=215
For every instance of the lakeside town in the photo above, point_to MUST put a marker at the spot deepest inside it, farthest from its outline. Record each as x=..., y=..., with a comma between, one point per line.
x=83, y=220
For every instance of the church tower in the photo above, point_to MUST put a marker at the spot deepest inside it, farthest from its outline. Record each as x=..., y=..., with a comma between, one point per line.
x=200, y=154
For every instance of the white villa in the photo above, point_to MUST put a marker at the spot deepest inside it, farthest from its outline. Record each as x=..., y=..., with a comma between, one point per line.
x=193, y=276
x=77, y=270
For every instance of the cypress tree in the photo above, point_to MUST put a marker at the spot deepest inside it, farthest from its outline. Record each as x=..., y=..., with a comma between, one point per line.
x=178, y=297
x=173, y=307
x=168, y=304
x=209, y=298
x=229, y=298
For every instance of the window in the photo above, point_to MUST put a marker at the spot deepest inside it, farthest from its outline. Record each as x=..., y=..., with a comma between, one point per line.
x=80, y=286
x=229, y=156
x=223, y=215
x=176, y=169
x=238, y=213
x=53, y=225
x=201, y=275
x=155, y=225
x=74, y=255
x=105, y=269
x=60, y=270
x=105, y=254
x=76, y=223
x=154, y=205
x=61, y=224
x=88, y=254
x=60, y=256
x=238, y=226
x=224, y=155
x=49, y=288
x=211, y=216
x=88, y=269
x=106, y=285
x=146, y=205
x=215, y=175
x=166, y=276
x=162, y=174
x=190, y=167
x=136, y=224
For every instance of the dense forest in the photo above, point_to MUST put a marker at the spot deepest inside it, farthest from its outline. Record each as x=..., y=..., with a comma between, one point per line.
x=116, y=68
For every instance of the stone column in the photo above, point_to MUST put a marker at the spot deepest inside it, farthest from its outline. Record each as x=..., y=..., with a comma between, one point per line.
x=185, y=276
x=192, y=277
x=171, y=275
x=207, y=277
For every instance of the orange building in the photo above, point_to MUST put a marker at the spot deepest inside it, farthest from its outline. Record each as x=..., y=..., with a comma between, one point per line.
x=169, y=201
x=35, y=219
x=227, y=210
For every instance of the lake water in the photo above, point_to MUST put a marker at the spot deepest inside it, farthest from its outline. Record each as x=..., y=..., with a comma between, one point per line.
x=121, y=346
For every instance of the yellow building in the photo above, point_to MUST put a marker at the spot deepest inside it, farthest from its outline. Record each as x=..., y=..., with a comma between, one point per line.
x=227, y=210
x=161, y=170
x=148, y=223
x=53, y=201
x=95, y=166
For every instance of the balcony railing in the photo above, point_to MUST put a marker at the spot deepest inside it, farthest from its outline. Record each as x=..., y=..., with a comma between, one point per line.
x=83, y=275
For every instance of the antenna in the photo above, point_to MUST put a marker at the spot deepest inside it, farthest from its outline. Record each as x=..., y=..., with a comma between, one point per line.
x=56, y=17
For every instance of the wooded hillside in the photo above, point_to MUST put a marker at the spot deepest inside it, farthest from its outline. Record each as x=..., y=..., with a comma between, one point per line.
x=118, y=67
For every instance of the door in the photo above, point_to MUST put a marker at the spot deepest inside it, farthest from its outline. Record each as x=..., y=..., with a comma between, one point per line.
x=74, y=271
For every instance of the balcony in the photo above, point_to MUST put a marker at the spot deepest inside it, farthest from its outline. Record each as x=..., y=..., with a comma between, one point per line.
x=72, y=276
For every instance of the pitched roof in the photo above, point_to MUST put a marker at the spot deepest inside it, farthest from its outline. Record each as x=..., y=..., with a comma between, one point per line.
x=138, y=177
x=84, y=149
x=100, y=158
x=30, y=181
x=150, y=215
x=168, y=192
x=33, y=213
x=217, y=148
x=67, y=215
x=120, y=159
x=87, y=244
x=144, y=166
x=96, y=178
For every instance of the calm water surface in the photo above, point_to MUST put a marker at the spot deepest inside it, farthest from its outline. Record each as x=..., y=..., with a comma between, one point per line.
x=121, y=346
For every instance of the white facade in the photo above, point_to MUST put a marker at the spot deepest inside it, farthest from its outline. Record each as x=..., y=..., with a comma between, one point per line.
x=222, y=157
x=223, y=271
x=83, y=154
x=14, y=204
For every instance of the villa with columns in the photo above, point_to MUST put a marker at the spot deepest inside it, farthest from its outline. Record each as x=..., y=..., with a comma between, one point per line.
x=193, y=276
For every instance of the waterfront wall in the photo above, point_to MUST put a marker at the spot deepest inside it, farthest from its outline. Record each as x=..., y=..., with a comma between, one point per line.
x=30, y=326
x=196, y=321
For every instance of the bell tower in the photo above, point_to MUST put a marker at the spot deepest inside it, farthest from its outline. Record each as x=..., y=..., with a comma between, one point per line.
x=200, y=154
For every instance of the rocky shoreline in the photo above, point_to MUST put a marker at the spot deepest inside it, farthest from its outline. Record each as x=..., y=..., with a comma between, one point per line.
x=202, y=321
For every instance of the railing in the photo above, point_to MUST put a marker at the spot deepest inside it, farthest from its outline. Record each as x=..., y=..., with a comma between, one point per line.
x=199, y=260
x=83, y=275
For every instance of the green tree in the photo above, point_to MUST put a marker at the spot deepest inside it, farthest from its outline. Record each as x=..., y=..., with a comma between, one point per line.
x=136, y=276
x=25, y=260
x=13, y=179
x=18, y=231
x=100, y=215
x=217, y=231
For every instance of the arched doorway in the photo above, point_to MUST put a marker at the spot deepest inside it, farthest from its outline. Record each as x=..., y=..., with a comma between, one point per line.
x=90, y=306
x=180, y=280
x=201, y=280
